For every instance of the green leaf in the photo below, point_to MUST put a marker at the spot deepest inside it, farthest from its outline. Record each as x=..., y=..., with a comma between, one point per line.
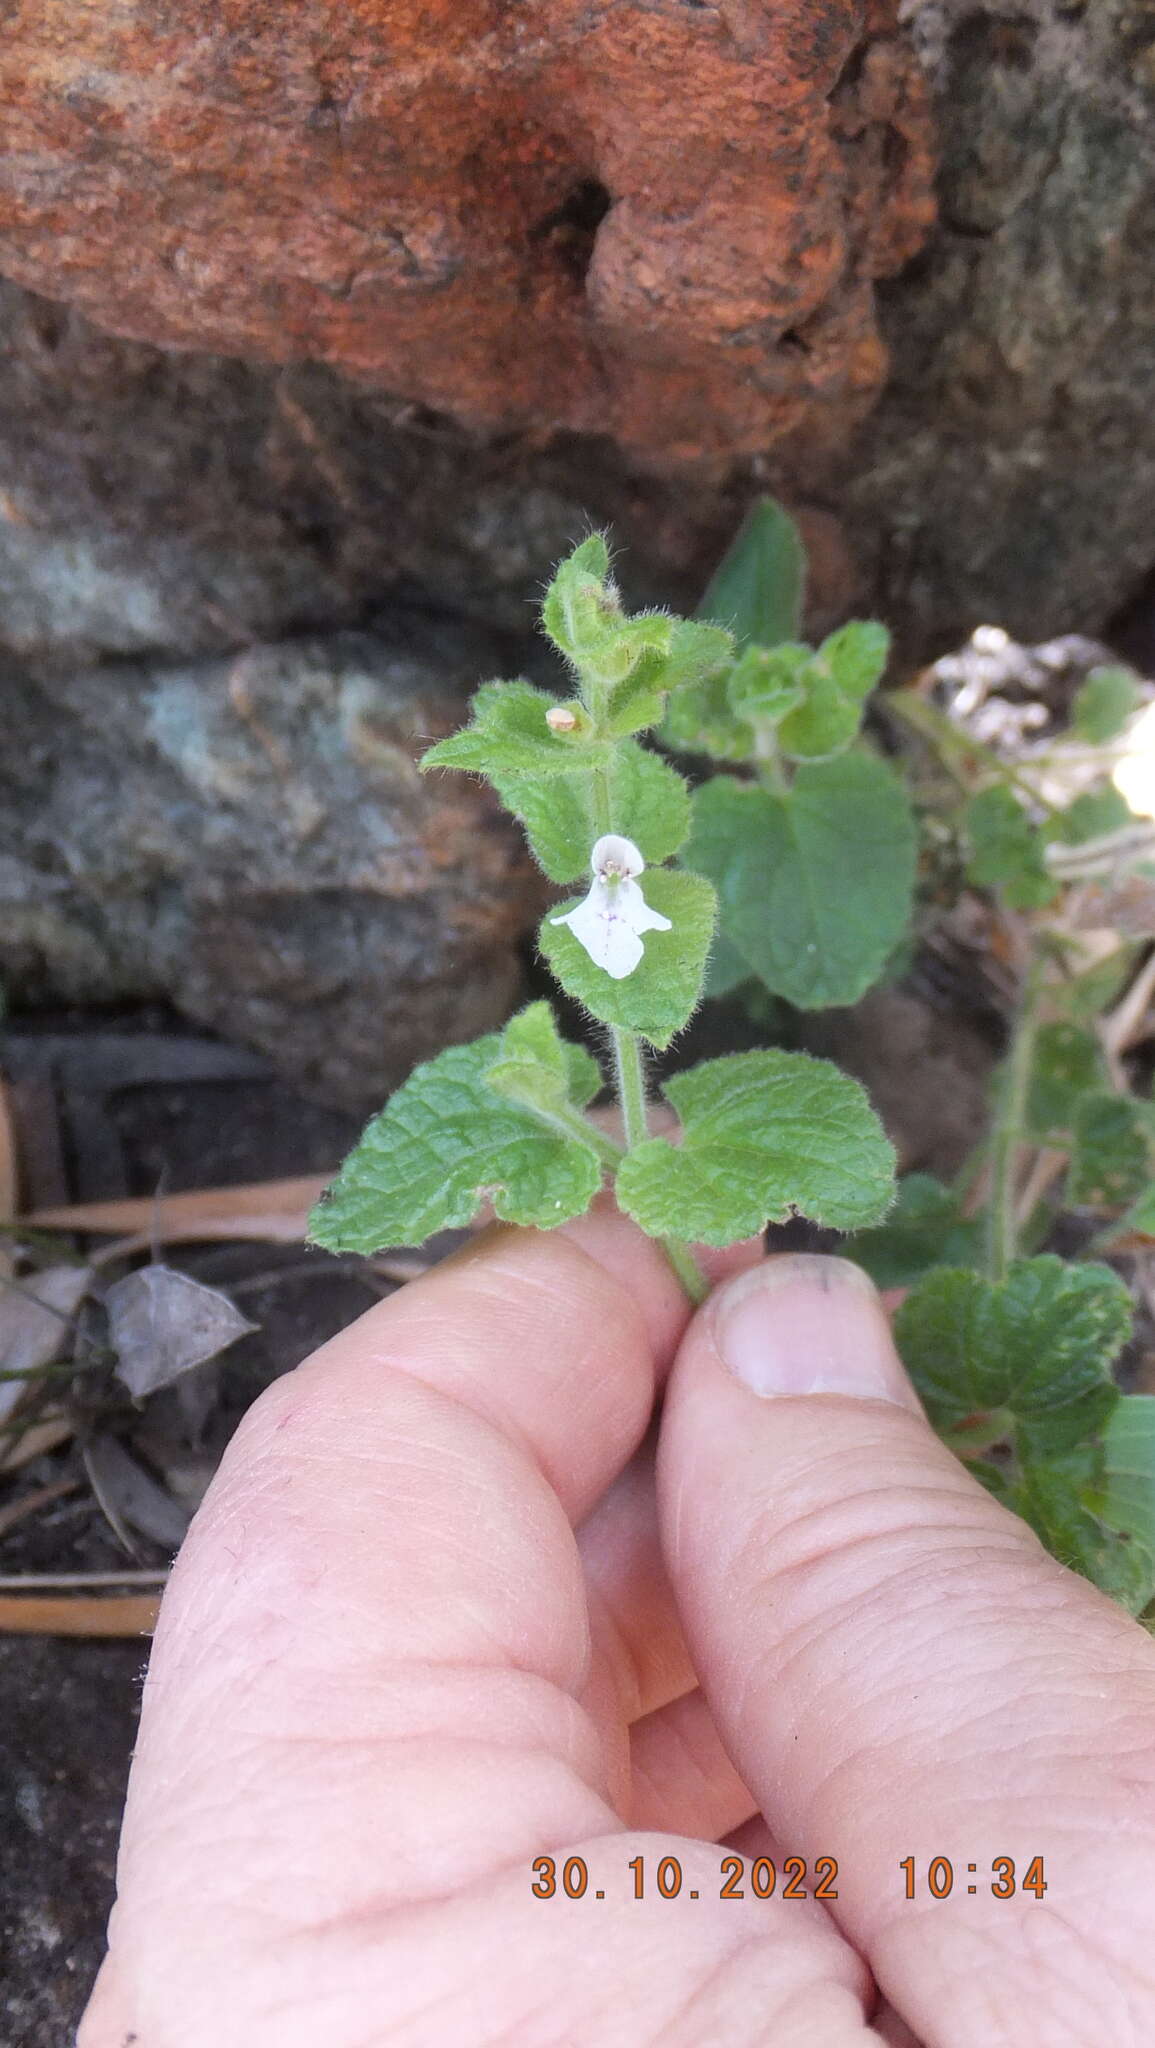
x=697, y=655
x=727, y=968
x=557, y=820
x=837, y=681
x=924, y=1229
x=1127, y=1497
x=649, y=802
x=1111, y=1160
x=815, y=884
x=856, y=655
x=757, y=588
x=538, y=1068
x=443, y=1142
x=582, y=614
x=660, y=996
x=768, y=682
x=698, y=650
x=764, y=1135
x=1007, y=850
x=509, y=735
x=1055, y=1504
x=614, y=656
x=639, y=702
x=1099, y=987
x=1139, y=1218
x=1094, y=815
x=580, y=601
x=1033, y=1353
x=1068, y=1063
x=701, y=720
x=589, y=560
x=1106, y=701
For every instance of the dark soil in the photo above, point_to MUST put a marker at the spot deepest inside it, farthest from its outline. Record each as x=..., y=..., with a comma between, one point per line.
x=68, y=1708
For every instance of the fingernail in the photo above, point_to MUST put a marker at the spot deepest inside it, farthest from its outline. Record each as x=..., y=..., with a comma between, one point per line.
x=801, y=1324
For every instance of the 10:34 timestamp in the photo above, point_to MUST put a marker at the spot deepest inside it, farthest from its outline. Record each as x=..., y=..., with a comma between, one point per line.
x=939, y=1878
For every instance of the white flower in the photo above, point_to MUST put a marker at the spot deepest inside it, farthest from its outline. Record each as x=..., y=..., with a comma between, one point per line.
x=610, y=922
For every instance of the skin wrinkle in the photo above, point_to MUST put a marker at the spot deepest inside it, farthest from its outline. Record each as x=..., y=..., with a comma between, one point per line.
x=970, y=1983
x=270, y=1539
x=1102, y=1980
x=812, y=1498
x=851, y=1620
x=777, y=2019
x=625, y=1931
x=827, y=1623
x=505, y=1691
x=620, y=1550
x=497, y=1287
x=844, y=1787
x=624, y=1662
x=979, y=1664
x=681, y=1741
x=588, y=1823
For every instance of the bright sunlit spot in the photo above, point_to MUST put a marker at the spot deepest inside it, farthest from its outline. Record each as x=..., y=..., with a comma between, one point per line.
x=1134, y=774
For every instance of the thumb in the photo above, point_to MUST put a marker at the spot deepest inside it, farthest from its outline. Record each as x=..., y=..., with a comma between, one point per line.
x=898, y=1669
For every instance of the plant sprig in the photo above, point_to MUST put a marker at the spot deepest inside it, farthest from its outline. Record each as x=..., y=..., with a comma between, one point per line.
x=505, y=1121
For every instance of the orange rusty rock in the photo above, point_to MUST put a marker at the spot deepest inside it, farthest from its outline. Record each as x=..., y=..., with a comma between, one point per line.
x=654, y=219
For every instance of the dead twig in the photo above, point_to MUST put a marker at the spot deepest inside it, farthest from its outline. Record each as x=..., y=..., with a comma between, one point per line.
x=1048, y=1165
x=35, y=1439
x=18, y=1511
x=275, y=1210
x=1124, y=1025
x=126, y=1614
x=81, y=1582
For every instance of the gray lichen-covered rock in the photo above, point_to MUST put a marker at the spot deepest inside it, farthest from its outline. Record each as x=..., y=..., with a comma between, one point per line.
x=181, y=503
x=1009, y=473
x=252, y=839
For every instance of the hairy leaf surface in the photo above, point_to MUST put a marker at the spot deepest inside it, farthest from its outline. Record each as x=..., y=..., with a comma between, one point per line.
x=443, y=1143
x=924, y=1229
x=836, y=682
x=508, y=734
x=1034, y=1352
x=815, y=884
x=1007, y=850
x=764, y=1135
x=758, y=587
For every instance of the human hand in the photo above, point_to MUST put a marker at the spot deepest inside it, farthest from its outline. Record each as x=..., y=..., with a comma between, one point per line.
x=387, y=1678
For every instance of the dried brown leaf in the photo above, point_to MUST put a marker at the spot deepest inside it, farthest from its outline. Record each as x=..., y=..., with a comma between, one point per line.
x=163, y=1322
x=127, y=1494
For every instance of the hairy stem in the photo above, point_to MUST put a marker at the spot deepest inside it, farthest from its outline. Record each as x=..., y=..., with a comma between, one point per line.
x=571, y=1124
x=630, y=1079
x=630, y=1082
x=953, y=746
x=1007, y=1135
x=771, y=772
x=687, y=1269
x=600, y=790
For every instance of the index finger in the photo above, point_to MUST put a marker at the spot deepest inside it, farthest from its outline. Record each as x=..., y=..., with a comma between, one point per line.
x=376, y=1636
